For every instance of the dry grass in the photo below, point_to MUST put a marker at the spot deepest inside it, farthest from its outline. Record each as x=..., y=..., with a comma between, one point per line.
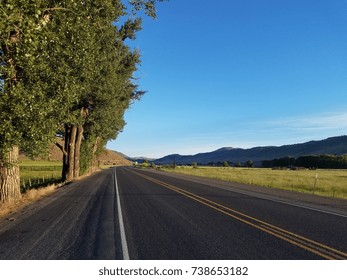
x=327, y=183
x=41, y=173
x=27, y=198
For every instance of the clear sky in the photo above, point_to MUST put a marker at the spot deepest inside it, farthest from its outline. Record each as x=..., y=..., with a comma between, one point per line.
x=238, y=73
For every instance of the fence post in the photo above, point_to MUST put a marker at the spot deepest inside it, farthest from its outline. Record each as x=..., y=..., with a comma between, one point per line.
x=315, y=183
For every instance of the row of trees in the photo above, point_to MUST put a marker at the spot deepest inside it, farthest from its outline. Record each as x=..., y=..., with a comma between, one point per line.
x=312, y=161
x=248, y=163
x=65, y=70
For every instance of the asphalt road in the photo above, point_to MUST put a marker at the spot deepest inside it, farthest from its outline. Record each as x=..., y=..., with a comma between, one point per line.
x=128, y=213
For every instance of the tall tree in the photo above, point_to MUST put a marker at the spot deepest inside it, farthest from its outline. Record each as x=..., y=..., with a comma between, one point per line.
x=108, y=87
x=85, y=30
x=26, y=104
x=115, y=90
x=116, y=87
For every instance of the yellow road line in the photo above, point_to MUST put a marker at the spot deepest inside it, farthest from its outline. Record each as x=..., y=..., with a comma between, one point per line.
x=295, y=239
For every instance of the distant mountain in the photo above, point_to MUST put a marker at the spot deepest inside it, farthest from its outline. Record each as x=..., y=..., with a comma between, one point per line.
x=140, y=159
x=333, y=145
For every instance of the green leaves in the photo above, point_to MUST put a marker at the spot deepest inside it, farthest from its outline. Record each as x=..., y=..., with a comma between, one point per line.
x=59, y=58
x=148, y=6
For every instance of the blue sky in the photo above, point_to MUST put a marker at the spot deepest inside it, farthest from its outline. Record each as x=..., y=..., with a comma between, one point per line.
x=238, y=73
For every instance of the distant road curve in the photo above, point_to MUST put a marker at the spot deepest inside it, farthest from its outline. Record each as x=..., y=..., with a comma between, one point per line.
x=129, y=213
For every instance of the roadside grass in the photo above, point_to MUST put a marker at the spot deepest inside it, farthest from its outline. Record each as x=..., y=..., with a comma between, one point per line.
x=322, y=182
x=27, y=198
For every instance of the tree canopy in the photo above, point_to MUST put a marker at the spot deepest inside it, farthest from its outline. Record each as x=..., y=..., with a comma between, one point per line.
x=65, y=69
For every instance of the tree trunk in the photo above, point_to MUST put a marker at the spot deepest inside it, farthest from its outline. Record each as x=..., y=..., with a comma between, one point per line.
x=71, y=153
x=79, y=137
x=94, y=159
x=9, y=176
x=67, y=135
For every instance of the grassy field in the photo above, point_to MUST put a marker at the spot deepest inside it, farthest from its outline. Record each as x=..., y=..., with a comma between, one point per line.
x=37, y=173
x=331, y=183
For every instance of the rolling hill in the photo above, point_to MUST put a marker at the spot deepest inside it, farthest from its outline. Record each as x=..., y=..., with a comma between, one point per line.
x=107, y=157
x=332, y=145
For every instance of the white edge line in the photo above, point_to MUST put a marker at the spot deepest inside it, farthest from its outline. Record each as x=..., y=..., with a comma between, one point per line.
x=311, y=208
x=121, y=223
x=265, y=197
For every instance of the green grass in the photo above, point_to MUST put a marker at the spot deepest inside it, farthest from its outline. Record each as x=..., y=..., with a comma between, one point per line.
x=41, y=163
x=331, y=183
x=39, y=173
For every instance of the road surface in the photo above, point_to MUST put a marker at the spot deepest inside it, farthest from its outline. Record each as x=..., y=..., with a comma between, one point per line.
x=129, y=213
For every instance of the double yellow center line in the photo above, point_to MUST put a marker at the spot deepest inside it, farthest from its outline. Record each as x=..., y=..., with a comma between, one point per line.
x=312, y=246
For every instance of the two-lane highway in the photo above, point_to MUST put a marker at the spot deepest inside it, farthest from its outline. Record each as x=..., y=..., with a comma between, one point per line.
x=129, y=213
